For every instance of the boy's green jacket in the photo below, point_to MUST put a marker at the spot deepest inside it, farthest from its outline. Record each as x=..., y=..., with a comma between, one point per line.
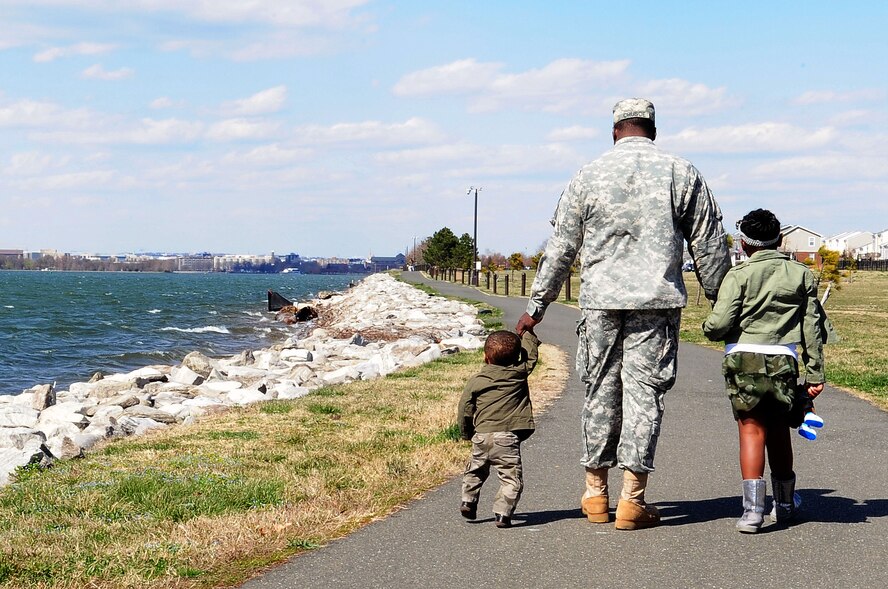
x=771, y=299
x=497, y=399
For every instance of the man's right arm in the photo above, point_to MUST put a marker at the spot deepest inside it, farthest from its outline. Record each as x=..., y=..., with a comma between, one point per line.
x=560, y=252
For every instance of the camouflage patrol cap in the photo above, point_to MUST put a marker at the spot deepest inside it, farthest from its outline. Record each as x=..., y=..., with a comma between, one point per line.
x=633, y=108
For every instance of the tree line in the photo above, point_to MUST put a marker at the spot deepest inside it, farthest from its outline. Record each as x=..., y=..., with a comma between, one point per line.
x=445, y=250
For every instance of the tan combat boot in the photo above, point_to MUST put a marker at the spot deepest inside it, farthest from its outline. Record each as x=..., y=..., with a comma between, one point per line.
x=632, y=512
x=595, y=498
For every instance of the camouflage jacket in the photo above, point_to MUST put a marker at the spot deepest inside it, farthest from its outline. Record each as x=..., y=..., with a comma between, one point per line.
x=770, y=299
x=627, y=215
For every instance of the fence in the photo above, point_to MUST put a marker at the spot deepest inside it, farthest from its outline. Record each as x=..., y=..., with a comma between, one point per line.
x=505, y=283
x=873, y=265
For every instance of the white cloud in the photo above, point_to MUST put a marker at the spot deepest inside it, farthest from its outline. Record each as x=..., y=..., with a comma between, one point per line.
x=280, y=45
x=241, y=129
x=758, y=137
x=98, y=130
x=482, y=161
x=35, y=114
x=574, y=133
x=293, y=13
x=466, y=75
x=830, y=166
x=54, y=53
x=32, y=163
x=832, y=97
x=411, y=131
x=164, y=131
x=72, y=181
x=682, y=97
x=564, y=84
x=163, y=102
x=267, y=101
x=97, y=72
x=268, y=156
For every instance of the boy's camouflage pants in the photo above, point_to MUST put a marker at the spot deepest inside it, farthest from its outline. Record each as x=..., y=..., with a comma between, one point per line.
x=627, y=360
x=502, y=451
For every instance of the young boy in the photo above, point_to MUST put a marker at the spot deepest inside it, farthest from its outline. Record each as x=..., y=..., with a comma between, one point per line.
x=495, y=413
x=766, y=307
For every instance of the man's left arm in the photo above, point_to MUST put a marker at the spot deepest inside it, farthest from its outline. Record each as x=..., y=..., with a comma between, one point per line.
x=701, y=225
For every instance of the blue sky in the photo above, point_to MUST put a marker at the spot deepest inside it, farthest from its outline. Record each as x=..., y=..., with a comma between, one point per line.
x=349, y=127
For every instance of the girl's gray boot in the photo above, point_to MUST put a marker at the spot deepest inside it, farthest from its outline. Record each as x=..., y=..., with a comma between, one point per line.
x=786, y=501
x=753, y=506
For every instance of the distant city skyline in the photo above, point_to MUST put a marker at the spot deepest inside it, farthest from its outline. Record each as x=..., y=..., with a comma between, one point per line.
x=349, y=127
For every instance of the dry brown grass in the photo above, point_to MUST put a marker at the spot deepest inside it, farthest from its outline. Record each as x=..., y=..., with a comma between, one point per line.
x=146, y=513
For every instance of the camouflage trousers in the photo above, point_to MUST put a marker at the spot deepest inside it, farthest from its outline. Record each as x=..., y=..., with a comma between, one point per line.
x=502, y=451
x=627, y=360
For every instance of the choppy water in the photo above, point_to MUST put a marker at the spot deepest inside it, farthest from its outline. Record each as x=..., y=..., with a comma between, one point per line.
x=63, y=326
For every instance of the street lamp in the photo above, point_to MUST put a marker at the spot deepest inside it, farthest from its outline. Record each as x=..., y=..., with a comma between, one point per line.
x=475, y=239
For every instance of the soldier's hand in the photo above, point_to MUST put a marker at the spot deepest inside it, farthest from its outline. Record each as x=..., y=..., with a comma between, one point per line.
x=525, y=323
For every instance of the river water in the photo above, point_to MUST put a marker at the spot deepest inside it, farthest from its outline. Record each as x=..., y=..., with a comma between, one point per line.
x=64, y=326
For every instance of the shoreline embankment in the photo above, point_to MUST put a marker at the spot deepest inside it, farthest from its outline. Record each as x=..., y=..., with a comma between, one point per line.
x=373, y=329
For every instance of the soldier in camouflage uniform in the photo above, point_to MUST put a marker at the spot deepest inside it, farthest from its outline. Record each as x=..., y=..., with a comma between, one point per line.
x=627, y=216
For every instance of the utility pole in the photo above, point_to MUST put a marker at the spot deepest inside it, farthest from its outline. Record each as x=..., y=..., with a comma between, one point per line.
x=475, y=238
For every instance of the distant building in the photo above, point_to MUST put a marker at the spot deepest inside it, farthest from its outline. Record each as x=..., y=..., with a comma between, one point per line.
x=12, y=255
x=383, y=263
x=854, y=244
x=881, y=239
x=197, y=263
x=800, y=243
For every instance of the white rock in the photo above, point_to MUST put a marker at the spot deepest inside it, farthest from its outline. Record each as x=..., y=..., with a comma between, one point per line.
x=221, y=386
x=296, y=355
x=137, y=426
x=185, y=375
x=288, y=391
x=18, y=416
x=246, y=396
x=341, y=375
x=464, y=343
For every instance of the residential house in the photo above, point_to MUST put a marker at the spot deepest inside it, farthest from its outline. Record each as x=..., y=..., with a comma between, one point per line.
x=800, y=243
x=853, y=244
x=881, y=244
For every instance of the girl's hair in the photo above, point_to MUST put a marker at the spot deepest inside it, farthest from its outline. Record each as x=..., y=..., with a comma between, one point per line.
x=760, y=225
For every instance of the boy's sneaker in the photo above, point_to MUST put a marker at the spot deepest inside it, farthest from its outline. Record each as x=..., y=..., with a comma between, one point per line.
x=468, y=510
x=502, y=521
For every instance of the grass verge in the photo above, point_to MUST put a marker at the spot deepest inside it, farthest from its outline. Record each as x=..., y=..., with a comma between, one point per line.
x=210, y=504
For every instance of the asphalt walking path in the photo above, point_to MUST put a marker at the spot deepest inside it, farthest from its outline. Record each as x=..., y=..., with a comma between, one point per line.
x=840, y=541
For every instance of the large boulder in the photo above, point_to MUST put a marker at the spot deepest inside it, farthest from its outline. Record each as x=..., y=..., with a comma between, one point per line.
x=199, y=363
x=44, y=396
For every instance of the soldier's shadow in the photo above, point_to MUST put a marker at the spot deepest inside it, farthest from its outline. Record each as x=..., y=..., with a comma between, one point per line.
x=818, y=505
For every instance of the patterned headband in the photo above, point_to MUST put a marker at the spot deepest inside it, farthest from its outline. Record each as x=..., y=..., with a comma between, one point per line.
x=756, y=242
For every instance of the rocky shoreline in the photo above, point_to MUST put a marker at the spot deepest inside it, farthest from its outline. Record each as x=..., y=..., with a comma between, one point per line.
x=373, y=329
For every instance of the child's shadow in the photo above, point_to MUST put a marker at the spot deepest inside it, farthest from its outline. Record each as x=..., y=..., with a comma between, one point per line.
x=818, y=505
x=538, y=518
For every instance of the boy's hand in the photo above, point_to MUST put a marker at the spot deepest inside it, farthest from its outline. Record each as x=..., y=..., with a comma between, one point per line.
x=525, y=323
x=814, y=389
